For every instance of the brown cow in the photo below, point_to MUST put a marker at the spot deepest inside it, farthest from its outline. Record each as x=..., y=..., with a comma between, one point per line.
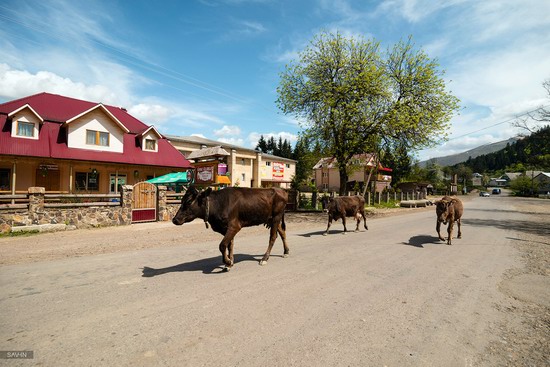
x=345, y=206
x=449, y=210
x=230, y=209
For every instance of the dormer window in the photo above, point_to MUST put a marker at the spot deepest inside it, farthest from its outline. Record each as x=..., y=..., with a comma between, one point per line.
x=151, y=144
x=25, y=129
x=25, y=123
x=100, y=138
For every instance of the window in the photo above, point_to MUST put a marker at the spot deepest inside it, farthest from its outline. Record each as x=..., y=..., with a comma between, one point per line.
x=150, y=144
x=116, y=182
x=87, y=181
x=25, y=129
x=243, y=177
x=97, y=138
x=5, y=179
x=287, y=165
x=268, y=164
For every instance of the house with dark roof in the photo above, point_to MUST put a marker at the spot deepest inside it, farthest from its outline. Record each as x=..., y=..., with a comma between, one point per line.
x=327, y=173
x=69, y=145
x=543, y=183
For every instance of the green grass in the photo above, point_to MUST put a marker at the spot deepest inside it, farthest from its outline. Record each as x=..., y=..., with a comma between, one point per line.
x=19, y=234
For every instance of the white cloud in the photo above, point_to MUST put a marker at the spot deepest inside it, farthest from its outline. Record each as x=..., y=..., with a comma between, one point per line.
x=233, y=141
x=227, y=130
x=151, y=113
x=20, y=83
x=415, y=10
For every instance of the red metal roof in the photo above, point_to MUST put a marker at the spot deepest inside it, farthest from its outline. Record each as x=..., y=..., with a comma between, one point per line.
x=52, y=142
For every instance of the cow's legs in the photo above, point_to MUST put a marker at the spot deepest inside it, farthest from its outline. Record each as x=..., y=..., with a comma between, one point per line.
x=231, y=251
x=364, y=219
x=344, y=223
x=450, y=232
x=328, y=225
x=226, y=247
x=459, y=232
x=272, y=237
x=282, y=233
x=438, y=227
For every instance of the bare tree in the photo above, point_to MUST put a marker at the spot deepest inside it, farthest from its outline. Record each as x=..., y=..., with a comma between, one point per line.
x=541, y=114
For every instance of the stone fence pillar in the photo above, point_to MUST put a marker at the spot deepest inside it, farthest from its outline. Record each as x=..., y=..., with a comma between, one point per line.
x=162, y=211
x=36, y=203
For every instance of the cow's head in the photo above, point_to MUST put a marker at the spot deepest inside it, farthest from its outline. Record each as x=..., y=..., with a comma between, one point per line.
x=443, y=209
x=192, y=206
x=327, y=202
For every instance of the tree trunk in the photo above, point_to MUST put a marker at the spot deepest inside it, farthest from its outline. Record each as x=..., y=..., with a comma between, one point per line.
x=343, y=181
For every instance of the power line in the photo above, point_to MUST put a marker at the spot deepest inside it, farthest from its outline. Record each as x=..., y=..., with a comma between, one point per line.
x=500, y=123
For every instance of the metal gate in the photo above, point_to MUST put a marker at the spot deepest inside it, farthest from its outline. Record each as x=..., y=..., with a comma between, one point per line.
x=144, y=205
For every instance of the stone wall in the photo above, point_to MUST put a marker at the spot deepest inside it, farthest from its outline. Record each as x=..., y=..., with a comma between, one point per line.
x=80, y=216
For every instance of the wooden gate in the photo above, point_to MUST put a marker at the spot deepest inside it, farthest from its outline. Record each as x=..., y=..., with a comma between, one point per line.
x=144, y=205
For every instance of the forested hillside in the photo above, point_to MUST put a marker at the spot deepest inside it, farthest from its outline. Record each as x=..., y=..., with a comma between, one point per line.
x=531, y=152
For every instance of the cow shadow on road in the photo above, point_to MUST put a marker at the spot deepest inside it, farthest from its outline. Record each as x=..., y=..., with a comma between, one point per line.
x=211, y=265
x=331, y=232
x=421, y=240
x=316, y=233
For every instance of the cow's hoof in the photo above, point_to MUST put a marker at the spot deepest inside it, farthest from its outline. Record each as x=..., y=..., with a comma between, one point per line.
x=324, y=234
x=345, y=233
x=226, y=269
x=286, y=255
x=263, y=262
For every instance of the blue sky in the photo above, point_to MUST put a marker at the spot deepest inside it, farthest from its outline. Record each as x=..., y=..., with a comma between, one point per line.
x=211, y=67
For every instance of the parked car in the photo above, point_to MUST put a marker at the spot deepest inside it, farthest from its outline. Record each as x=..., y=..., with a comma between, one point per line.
x=484, y=193
x=496, y=191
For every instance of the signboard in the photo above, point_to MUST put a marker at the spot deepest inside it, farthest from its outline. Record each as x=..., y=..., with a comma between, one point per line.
x=278, y=170
x=222, y=169
x=205, y=174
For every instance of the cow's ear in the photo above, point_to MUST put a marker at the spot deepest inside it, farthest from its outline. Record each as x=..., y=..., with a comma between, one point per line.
x=207, y=192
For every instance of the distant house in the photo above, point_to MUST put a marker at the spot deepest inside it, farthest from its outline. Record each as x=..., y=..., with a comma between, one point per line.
x=424, y=188
x=477, y=179
x=543, y=182
x=73, y=146
x=499, y=182
x=327, y=175
x=508, y=177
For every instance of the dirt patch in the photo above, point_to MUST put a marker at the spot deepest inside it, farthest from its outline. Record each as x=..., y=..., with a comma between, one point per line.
x=523, y=339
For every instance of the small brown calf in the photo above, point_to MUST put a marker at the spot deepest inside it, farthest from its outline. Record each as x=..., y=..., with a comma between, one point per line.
x=449, y=210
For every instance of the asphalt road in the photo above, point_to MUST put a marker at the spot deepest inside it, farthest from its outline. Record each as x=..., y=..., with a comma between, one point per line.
x=391, y=296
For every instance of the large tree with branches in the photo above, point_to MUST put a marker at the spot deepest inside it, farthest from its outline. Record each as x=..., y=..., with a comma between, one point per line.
x=356, y=98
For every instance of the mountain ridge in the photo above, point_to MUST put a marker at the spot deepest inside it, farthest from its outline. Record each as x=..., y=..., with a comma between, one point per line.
x=452, y=159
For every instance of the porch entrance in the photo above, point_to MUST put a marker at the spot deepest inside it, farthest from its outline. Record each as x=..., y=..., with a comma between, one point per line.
x=144, y=203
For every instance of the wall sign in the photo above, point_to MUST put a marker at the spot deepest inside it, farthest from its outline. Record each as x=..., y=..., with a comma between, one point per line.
x=205, y=174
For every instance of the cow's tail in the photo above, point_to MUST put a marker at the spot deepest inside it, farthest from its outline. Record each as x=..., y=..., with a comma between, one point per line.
x=283, y=225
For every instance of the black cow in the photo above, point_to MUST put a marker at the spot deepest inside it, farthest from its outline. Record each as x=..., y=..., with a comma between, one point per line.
x=448, y=210
x=230, y=209
x=345, y=206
